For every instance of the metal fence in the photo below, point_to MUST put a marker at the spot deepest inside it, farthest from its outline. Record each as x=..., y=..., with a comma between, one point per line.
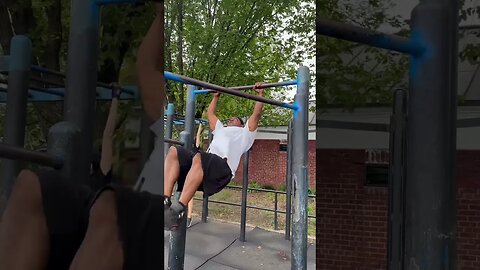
x=275, y=209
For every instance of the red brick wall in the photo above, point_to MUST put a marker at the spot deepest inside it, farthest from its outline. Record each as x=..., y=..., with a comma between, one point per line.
x=352, y=218
x=268, y=166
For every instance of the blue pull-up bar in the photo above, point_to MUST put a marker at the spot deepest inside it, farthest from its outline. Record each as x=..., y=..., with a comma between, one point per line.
x=369, y=37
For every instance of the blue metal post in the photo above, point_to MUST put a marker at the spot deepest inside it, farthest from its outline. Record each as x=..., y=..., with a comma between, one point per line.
x=300, y=172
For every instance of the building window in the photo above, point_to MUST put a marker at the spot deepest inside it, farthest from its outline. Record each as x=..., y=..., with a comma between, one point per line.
x=377, y=175
x=283, y=147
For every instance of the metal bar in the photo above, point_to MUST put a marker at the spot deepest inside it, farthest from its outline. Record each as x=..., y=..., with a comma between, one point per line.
x=176, y=256
x=275, y=222
x=365, y=36
x=265, y=85
x=169, y=125
x=250, y=87
x=205, y=198
x=280, y=131
x=243, y=214
x=430, y=214
x=16, y=111
x=170, y=141
x=252, y=207
x=468, y=122
x=80, y=95
x=38, y=89
x=288, y=181
x=185, y=79
x=4, y=62
x=300, y=173
x=396, y=192
x=47, y=82
x=60, y=74
x=352, y=125
x=15, y=153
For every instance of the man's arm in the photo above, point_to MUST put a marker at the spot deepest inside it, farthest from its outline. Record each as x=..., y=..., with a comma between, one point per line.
x=149, y=67
x=257, y=111
x=107, y=139
x=198, y=140
x=212, y=117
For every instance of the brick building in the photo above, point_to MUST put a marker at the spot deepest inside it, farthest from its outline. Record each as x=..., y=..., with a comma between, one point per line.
x=352, y=193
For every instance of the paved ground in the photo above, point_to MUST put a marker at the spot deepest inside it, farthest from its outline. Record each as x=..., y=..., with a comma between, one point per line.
x=215, y=246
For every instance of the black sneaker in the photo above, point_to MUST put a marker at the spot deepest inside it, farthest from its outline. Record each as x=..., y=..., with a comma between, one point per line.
x=173, y=215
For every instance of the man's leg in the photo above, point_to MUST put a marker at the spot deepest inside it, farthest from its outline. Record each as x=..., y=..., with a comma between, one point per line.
x=176, y=212
x=24, y=239
x=171, y=171
x=190, y=213
x=101, y=249
x=193, y=181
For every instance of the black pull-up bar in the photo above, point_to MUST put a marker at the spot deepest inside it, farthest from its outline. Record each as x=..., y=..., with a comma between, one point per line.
x=188, y=80
x=16, y=153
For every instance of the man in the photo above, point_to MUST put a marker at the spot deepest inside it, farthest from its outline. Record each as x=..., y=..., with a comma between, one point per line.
x=208, y=171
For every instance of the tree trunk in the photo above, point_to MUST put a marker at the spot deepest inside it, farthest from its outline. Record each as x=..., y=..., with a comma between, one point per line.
x=170, y=21
x=181, y=92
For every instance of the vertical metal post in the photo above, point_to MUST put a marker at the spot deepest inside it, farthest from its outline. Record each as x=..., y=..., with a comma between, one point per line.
x=430, y=221
x=17, y=97
x=205, y=198
x=288, y=215
x=176, y=256
x=300, y=172
x=169, y=124
x=80, y=92
x=396, y=182
x=243, y=215
x=275, y=221
x=63, y=139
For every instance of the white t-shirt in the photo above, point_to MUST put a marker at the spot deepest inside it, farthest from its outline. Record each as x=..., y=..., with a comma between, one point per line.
x=231, y=142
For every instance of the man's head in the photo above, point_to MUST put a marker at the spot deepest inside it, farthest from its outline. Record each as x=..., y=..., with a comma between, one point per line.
x=235, y=122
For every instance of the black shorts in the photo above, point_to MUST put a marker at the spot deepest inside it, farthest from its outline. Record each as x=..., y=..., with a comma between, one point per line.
x=67, y=206
x=216, y=172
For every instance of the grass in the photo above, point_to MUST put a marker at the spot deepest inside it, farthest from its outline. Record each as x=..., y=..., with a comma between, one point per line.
x=259, y=218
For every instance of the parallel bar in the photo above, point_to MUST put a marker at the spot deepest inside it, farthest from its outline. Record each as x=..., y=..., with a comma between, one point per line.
x=430, y=214
x=288, y=180
x=60, y=74
x=4, y=62
x=39, y=89
x=170, y=141
x=265, y=85
x=16, y=111
x=250, y=87
x=352, y=125
x=368, y=37
x=20, y=154
x=243, y=215
x=396, y=183
x=300, y=173
x=185, y=79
